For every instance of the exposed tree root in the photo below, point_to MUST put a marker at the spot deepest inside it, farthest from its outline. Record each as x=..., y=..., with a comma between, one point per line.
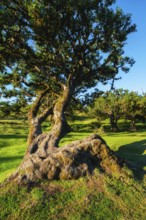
x=72, y=161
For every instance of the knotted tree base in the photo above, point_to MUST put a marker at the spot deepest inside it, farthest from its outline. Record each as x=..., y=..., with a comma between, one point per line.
x=72, y=161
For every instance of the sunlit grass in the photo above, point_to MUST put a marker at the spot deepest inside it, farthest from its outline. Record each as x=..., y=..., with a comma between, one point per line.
x=13, y=136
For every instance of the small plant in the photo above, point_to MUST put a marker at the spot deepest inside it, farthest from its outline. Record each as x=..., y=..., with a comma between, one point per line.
x=37, y=194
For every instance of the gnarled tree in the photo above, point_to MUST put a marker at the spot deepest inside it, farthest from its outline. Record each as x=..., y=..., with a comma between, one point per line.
x=52, y=51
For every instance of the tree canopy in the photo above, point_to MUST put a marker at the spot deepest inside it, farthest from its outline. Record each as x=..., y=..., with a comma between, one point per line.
x=51, y=51
x=49, y=44
x=49, y=48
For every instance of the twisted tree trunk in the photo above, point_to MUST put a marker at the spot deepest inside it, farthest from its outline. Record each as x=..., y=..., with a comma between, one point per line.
x=35, y=121
x=41, y=145
x=45, y=160
x=48, y=142
x=35, y=129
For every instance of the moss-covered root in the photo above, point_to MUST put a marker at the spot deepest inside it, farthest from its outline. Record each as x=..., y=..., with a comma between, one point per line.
x=72, y=161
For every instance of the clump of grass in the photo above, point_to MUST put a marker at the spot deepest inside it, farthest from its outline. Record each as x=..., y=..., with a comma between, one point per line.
x=37, y=194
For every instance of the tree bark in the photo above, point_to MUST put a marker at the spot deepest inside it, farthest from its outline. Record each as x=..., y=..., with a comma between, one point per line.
x=36, y=125
x=34, y=130
x=43, y=144
x=132, y=125
x=35, y=121
x=72, y=161
x=113, y=122
x=61, y=127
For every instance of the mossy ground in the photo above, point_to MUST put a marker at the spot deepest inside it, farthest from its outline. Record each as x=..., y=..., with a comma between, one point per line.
x=94, y=197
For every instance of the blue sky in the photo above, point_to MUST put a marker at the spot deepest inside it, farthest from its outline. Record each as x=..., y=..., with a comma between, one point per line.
x=135, y=79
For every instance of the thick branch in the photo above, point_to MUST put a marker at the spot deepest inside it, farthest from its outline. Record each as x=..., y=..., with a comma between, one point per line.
x=45, y=114
x=37, y=103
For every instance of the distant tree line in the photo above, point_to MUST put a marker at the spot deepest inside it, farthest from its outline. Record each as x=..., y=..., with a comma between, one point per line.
x=113, y=105
x=119, y=104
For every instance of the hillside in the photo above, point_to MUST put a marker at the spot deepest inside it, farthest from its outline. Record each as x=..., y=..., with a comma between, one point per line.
x=98, y=196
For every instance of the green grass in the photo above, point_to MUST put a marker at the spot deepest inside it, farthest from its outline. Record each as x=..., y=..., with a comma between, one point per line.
x=95, y=197
x=12, y=146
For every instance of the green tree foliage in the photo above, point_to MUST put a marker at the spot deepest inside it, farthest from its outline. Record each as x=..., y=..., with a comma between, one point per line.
x=109, y=106
x=52, y=51
x=133, y=107
x=120, y=104
x=14, y=109
x=143, y=105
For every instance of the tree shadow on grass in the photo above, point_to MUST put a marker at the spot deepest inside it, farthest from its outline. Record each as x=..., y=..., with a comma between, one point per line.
x=7, y=163
x=126, y=133
x=134, y=154
x=10, y=158
x=7, y=136
x=7, y=140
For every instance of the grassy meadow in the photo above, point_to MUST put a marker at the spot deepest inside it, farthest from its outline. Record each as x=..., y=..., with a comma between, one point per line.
x=95, y=197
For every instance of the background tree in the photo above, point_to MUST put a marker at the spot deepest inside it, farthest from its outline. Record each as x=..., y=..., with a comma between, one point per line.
x=143, y=107
x=129, y=108
x=17, y=108
x=132, y=108
x=56, y=50
x=109, y=106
